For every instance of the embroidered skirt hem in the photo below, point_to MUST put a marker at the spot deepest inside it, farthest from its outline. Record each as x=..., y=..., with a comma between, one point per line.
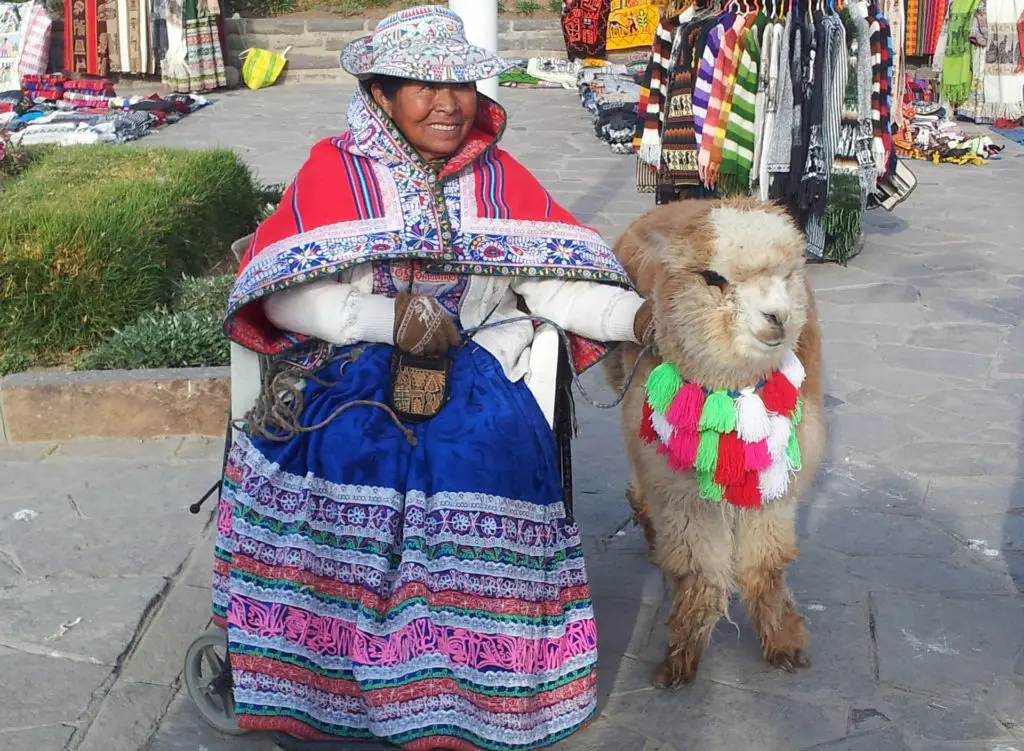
x=430, y=595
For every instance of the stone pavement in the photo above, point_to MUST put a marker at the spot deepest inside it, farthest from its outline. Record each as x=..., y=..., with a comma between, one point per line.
x=912, y=542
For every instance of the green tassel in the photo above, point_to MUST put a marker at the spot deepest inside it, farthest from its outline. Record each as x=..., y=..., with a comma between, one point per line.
x=662, y=385
x=709, y=489
x=793, y=452
x=798, y=413
x=707, y=452
x=719, y=413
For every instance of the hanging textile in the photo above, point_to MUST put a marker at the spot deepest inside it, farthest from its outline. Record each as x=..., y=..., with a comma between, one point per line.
x=85, y=37
x=910, y=35
x=956, y=64
x=632, y=23
x=893, y=12
x=585, y=27
x=996, y=79
x=24, y=42
x=113, y=36
x=134, y=37
x=158, y=31
x=13, y=22
x=194, y=61
x=790, y=105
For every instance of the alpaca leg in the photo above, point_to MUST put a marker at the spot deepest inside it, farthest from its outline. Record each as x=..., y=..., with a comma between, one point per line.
x=641, y=514
x=695, y=551
x=765, y=545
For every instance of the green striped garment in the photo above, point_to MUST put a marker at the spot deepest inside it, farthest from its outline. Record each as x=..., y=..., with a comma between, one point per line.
x=739, y=140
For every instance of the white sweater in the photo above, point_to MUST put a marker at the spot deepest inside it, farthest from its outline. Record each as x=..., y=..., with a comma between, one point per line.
x=345, y=311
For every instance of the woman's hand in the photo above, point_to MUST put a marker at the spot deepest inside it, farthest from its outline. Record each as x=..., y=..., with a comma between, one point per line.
x=643, y=323
x=422, y=327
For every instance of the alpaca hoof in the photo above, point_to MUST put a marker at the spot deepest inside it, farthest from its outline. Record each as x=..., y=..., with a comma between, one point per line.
x=790, y=662
x=673, y=672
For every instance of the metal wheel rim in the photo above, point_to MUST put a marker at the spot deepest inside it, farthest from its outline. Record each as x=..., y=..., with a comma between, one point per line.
x=207, y=681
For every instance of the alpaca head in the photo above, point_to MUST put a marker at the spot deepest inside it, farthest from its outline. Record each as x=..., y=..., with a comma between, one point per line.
x=731, y=298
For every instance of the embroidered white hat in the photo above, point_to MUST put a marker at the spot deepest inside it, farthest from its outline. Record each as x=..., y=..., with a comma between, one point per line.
x=427, y=43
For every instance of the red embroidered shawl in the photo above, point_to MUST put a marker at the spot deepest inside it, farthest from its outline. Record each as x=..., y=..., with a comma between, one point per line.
x=366, y=196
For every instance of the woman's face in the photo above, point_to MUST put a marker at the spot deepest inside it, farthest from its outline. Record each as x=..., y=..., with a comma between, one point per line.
x=434, y=117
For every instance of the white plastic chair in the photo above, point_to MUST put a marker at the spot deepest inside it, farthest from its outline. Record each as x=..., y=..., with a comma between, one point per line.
x=247, y=367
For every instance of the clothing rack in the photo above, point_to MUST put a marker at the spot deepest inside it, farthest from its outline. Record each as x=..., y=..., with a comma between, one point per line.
x=788, y=100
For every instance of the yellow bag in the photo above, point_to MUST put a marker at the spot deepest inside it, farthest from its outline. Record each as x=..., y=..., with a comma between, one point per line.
x=261, y=68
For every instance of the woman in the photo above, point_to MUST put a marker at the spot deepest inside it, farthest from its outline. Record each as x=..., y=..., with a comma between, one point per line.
x=415, y=581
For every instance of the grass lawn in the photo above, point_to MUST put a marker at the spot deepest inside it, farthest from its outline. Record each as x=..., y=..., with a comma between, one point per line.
x=94, y=237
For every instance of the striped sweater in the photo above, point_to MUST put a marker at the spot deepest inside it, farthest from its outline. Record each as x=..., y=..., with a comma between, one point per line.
x=705, y=74
x=713, y=135
x=738, y=152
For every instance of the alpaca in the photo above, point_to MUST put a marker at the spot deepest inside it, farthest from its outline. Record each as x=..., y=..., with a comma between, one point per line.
x=732, y=307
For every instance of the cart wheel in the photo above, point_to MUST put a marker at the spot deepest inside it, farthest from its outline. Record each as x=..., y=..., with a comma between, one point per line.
x=208, y=681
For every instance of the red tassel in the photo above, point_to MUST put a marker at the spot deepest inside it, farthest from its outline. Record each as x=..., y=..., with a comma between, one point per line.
x=747, y=494
x=647, y=434
x=730, y=468
x=734, y=494
x=662, y=449
x=779, y=395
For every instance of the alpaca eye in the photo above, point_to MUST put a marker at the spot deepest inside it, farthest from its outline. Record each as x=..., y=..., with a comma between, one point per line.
x=714, y=279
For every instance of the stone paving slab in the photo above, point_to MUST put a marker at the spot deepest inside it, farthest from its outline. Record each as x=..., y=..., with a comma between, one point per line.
x=911, y=562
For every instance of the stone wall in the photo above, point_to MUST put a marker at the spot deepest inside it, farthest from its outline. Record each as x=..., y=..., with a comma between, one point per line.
x=317, y=42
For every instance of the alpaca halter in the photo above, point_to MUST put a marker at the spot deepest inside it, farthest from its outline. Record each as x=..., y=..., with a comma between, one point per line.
x=741, y=445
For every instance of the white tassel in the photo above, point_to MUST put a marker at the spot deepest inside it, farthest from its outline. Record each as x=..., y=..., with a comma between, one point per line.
x=778, y=438
x=664, y=429
x=794, y=371
x=752, y=420
x=774, y=481
x=650, y=147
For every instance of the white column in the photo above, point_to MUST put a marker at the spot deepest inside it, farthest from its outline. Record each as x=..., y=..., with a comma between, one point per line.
x=481, y=20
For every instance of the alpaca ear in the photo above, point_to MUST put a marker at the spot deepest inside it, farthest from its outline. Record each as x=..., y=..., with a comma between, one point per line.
x=678, y=234
x=668, y=239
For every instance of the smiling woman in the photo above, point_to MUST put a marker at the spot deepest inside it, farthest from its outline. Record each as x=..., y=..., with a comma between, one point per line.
x=408, y=569
x=435, y=118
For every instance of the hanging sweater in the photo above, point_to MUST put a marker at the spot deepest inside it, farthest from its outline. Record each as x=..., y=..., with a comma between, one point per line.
x=738, y=153
x=763, y=43
x=654, y=93
x=679, y=144
x=780, y=144
x=706, y=72
x=721, y=71
x=729, y=69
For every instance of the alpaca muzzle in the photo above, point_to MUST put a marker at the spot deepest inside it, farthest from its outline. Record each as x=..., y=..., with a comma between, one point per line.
x=773, y=330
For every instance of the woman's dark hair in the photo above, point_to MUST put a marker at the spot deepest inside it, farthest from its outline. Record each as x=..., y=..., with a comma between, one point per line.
x=389, y=85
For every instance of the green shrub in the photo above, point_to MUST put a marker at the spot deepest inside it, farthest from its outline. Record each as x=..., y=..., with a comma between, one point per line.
x=92, y=237
x=258, y=8
x=206, y=294
x=184, y=339
x=527, y=7
x=14, y=362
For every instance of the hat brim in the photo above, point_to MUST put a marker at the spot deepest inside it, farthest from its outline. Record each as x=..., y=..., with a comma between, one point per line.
x=437, y=61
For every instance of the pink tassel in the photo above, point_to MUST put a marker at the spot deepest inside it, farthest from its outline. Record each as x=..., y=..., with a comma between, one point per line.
x=685, y=409
x=756, y=457
x=683, y=448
